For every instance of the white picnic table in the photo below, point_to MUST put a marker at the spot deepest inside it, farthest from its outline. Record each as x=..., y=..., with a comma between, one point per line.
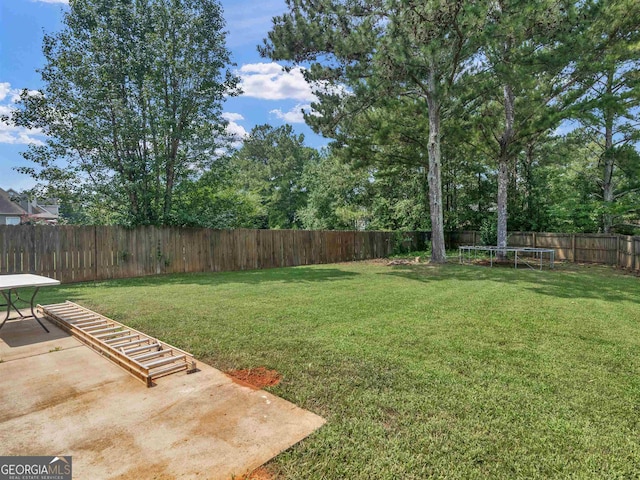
x=10, y=284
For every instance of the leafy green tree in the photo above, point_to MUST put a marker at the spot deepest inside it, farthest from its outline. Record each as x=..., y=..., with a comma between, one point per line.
x=469, y=181
x=525, y=85
x=610, y=108
x=381, y=50
x=215, y=200
x=399, y=199
x=132, y=101
x=270, y=165
x=336, y=195
x=570, y=177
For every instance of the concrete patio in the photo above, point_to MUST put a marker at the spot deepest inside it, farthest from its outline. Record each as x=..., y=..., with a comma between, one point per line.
x=59, y=397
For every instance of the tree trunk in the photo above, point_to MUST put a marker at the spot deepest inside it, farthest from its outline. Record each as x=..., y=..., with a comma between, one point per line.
x=503, y=187
x=607, y=180
x=170, y=172
x=438, y=251
x=168, y=190
x=503, y=166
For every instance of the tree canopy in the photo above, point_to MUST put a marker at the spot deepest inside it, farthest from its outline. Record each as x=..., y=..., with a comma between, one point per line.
x=441, y=115
x=132, y=101
x=417, y=83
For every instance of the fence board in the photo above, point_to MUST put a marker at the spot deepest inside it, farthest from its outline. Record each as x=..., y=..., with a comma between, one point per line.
x=606, y=249
x=79, y=253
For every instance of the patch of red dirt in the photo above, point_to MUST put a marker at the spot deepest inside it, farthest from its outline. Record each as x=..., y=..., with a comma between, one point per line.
x=260, y=473
x=258, y=377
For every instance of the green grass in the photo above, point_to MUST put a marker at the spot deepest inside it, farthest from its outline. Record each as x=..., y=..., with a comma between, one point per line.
x=421, y=371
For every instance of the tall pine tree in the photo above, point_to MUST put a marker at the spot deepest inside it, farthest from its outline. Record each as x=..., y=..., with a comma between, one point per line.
x=373, y=50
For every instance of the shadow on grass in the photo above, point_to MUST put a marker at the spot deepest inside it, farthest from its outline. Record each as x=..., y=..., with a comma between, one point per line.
x=299, y=275
x=251, y=277
x=564, y=282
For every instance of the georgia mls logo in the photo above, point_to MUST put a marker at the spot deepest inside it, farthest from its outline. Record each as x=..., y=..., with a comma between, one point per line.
x=35, y=468
x=59, y=465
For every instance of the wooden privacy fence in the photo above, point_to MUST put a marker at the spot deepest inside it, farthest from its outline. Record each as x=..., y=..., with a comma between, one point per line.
x=608, y=249
x=77, y=253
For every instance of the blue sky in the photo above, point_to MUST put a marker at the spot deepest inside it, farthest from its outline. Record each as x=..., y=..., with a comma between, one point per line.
x=271, y=96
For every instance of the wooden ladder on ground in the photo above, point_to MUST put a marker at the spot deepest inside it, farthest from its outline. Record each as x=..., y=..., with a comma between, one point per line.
x=144, y=357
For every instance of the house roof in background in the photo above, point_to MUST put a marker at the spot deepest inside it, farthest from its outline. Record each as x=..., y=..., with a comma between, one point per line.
x=7, y=207
x=45, y=215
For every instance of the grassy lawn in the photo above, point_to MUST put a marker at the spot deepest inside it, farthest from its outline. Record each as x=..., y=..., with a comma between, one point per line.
x=452, y=371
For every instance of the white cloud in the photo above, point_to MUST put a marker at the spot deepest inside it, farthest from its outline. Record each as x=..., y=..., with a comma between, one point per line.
x=12, y=93
x=15, y=136
x=268, y=81
x=295, y=115
x=272, y=68
x=232, y=117
x=11, y=134
x=5, y=110
x=234, y=129
x=5, y=89
x=64, y=2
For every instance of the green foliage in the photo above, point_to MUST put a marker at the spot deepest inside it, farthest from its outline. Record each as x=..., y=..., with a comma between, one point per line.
x=399, y=199
x=423, y=101
x=462, y=61
x=421, y=255
x=215, y=201
x=270, y=166
x=610, y=107
x=402, y=243
x=337, y=195
x=489, y=231
x=131, y=105
x=204, y=206
x=400, y=61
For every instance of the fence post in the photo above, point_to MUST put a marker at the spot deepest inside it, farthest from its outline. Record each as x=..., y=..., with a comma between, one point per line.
x=534, y=239
x=573, y=248
x=618, y=250
x=210, y=251
x=95, y=253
